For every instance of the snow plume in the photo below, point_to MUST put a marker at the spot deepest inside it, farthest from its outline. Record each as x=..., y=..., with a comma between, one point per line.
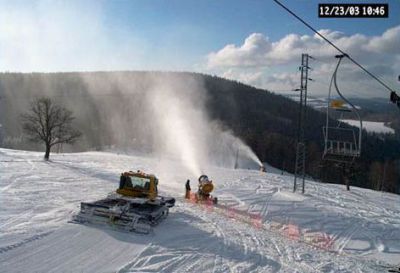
x=183, y=130
x=178, y=120
x=229, y=151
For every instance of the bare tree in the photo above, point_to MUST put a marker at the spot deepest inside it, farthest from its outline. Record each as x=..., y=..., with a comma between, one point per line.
x=49, y=123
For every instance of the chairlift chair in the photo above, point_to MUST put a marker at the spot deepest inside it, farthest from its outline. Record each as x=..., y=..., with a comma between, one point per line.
x=341, y=143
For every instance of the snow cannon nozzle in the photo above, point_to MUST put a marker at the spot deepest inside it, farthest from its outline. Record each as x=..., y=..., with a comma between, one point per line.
x=203, y=179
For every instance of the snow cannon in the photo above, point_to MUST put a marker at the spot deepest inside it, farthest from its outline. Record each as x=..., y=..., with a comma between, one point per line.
x=205, y=188
x=205, y=185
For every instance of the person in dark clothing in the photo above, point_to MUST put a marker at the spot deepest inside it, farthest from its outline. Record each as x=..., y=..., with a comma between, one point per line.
x=122, y=180
x=188, y=189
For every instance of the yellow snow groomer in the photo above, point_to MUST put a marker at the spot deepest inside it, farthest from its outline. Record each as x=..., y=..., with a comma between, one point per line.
x=138, y=184
x=135, y=206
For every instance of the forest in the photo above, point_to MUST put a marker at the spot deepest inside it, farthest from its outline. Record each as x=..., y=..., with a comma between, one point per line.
x=110, y=108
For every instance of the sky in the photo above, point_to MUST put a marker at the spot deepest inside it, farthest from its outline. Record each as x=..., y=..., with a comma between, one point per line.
x=253, y=41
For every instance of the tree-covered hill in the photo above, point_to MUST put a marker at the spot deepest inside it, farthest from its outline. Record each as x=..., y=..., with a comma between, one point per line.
x=111, y=110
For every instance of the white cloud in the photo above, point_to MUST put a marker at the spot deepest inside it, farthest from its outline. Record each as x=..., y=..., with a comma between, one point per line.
x=251, y=53
x=244, y=76
x=388, y=43
x=258, y=51
x=270, y=65
x=283, y=81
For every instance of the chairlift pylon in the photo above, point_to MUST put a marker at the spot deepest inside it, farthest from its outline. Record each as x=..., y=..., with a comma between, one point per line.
x=341, y=143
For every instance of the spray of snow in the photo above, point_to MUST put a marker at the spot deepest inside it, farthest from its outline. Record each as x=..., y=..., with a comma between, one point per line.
x=227, y=150
x=246, y=152
x=184, y=131
x=175, y=120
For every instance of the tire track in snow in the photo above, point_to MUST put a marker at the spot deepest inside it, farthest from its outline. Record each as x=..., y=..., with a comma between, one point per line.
x=181, y=253
x=14, y=219
x=14, y=181
x=285, y=255
x=15, y=178
x=291, y=254
x=345, y=239
x=234, y=249
x=243, y=236
x=24, y=242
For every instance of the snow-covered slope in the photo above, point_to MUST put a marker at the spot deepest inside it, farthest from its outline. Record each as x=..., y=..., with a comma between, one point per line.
x=262, y=226
x=371, y=126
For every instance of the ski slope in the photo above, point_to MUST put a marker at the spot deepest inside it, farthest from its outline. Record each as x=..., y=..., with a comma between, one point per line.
x=261, y=227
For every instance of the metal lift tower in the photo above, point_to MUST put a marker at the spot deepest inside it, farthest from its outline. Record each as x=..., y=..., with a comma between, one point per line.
x=300, y=165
